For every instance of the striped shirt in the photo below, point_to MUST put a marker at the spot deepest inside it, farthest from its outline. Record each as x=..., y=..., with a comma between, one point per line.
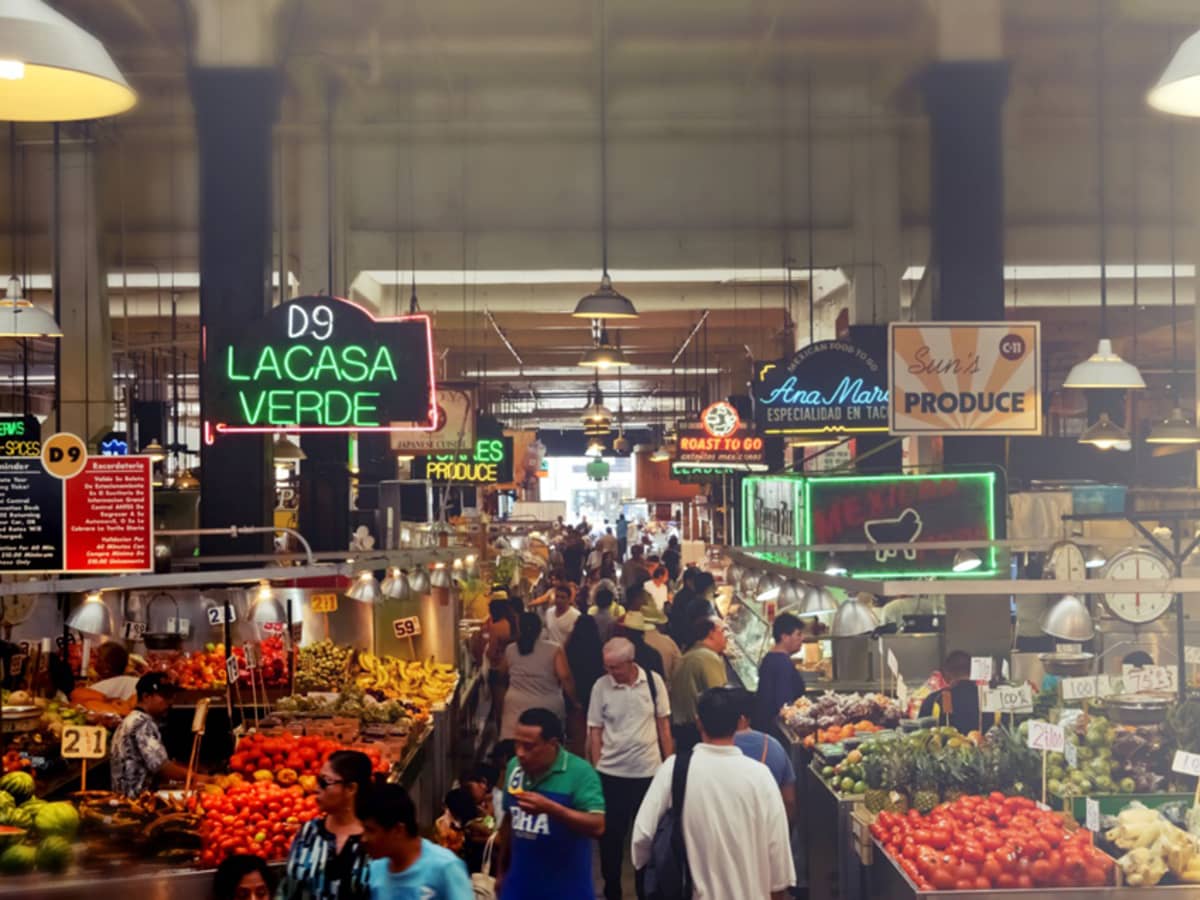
x=316, y=871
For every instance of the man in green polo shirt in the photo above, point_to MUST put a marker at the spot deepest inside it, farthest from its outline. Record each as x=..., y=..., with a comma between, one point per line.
x=554, y=809
x=701, y=668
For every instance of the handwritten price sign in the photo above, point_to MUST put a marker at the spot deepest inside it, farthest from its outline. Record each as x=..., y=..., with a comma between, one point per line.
x=406, y=628
x=1007, y=699
x=217, y=615
x=1044, y=736
x=981, y=668
x=134, y=630
x=1091, y=687
x=1150, y=678
x=84, y=742
x=1186, y=763
x=231, y=670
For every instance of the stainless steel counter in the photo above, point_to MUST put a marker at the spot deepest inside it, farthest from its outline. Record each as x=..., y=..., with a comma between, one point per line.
x=151, y=884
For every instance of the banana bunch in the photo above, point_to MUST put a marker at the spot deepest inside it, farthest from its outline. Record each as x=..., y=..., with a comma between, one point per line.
x=406, y=679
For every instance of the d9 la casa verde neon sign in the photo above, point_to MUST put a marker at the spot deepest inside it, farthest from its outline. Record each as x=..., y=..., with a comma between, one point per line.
x=320, y=364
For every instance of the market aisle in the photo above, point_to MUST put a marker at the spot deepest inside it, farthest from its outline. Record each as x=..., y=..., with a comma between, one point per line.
x=627, y=883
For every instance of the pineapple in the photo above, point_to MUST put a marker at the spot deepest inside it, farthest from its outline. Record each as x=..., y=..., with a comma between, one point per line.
x=896, y=774
x=876, y=797
x=925, y=783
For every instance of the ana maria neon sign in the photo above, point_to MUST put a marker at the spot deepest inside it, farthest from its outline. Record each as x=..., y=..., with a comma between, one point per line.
x=320, y=364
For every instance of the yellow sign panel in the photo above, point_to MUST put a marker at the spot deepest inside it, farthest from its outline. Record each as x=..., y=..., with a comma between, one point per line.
x=64, y=455
x=325, y=603
x=964, y=378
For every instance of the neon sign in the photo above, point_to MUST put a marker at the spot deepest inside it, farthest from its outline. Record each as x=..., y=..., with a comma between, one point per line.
x=490, y=463
x=720, y=419
x=320, y=364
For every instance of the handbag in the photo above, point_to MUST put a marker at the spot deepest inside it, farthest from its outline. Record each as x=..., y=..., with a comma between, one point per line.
x=483, y=883
x=667, y=876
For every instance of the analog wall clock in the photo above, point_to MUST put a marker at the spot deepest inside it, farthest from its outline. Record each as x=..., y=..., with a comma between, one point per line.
x=1138, y=607
x=1066, y=562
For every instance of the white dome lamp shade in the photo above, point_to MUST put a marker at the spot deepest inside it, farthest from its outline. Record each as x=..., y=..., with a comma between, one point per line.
x=1105, y=369
x=855, y=617
x=1178, y=90
x=966, y=560
x=818, y=600
x=19, y=317
x=92, y=617
x=51, y=70
x=1069, y=620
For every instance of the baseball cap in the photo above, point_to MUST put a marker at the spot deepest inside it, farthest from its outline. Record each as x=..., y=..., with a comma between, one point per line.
x=156, y=683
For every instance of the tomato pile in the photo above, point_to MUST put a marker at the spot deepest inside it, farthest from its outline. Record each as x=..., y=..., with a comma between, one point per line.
x=260, y=819
x=983, y=843
x=289, y=758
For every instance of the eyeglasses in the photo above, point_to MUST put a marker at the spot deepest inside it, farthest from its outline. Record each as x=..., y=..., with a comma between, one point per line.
x=323, y=782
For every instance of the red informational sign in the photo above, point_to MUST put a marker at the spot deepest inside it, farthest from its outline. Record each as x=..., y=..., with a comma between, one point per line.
x=107, y=516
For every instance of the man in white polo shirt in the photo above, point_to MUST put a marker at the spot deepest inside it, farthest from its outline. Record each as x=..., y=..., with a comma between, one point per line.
x=629, y=735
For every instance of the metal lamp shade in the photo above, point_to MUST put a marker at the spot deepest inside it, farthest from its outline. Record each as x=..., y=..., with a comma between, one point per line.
x=603, y=356
x=1178, y=90
x=25, y=320
x=440, y=577
x=966, y=560
x=365, y=588
x=92, y=617
x=605, y=303
x=1069, y=620
x=854, y=618
x=265, y=606
x=395, y=586
x=1106, y=435
x=818, y=600
x=419, y=581
x=1175, y=429
x=733, y=575
x=769, y=587
x=748, y=584
x=1105, y=369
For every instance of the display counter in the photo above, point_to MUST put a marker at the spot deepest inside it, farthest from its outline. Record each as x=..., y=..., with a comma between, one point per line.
x=834, y=871
x=132, y=880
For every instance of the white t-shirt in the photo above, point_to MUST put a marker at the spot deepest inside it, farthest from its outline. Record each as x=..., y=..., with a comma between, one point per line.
x=734, y=825
x=629, y=744
x=119, y=687
x=559, y=627
x=658, y=592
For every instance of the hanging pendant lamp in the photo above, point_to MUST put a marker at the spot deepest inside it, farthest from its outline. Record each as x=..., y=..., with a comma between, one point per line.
x=1104, y=368
x=285, y=452
x=51, y=70
x=603, y=355
x=1106, y=435
x=604, y=302
x=1176, y=429
x=1178, y=89
x=19, y=318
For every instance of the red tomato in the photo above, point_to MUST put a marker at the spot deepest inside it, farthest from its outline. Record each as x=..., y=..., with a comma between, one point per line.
x=1024, y=882
x=942, y=879
x=939, y=838
x=982, y=884
x=1042, y=872
x=1094, y=876
x=1006, y=881
x=964, y=884
x=991, y=869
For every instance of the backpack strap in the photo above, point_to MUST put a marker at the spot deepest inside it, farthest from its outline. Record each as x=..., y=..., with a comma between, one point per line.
x=678, y=792
x=766, y=746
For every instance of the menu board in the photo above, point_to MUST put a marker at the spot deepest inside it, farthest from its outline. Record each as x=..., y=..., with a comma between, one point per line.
x=98, y=518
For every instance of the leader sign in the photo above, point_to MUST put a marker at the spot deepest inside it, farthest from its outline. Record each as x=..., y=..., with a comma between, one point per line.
x=965, y=378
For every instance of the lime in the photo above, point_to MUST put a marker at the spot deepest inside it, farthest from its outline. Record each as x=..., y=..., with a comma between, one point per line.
x=860, y=787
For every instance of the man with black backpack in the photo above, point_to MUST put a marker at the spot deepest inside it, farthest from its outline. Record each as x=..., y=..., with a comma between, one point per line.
x=731, y=837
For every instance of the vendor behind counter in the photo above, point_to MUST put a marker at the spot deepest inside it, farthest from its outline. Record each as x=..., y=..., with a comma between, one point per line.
x=957, y=704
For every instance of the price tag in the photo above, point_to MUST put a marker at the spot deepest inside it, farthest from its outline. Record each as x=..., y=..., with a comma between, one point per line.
x=1071, y=752
x=1042, y=806
x=902, y=692
x=16, y=665
x=325, y=603
x=1191, y=655
x=1070, y=648
x=1008, y=699
x=84, y=742
x=297, y=632
x=253, y=657
x=893, y=663
x=1044, y=736
x=200, y=717
x=134, y=630
x=216, y=615
x=981, y=668
x=406, y=628
x=1186, y=763
x=179, y=626
x=231, y=669
x=1089, y=687
x=274, y=627
x=1139, y=679
x=1091, y=814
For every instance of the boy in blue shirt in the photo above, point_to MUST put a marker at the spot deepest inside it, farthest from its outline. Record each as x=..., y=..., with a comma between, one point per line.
x=406, y=866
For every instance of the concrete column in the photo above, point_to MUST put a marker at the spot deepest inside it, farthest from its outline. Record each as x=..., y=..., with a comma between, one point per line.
x=235, y=93
x=86, y=370
x=877, y=261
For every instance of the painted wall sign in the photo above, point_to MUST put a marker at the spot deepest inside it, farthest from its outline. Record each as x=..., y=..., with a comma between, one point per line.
x=96, y=519
x=772, y=512
x=20, y=436
x=829, y=387
x=901, y=509
x=491, y=462
x=320, y=364
x=455, y=427
x=965, y=378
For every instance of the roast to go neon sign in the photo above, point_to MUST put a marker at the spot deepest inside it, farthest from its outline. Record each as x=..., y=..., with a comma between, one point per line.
x=321, y=364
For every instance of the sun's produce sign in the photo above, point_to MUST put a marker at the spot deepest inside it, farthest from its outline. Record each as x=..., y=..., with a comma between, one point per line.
x=320, y=364
x=965, y=378
x=490, y=462
x=908, y=510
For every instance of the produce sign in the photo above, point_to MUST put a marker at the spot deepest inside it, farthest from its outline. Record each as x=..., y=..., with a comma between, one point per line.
x=320, y=364
x=901, y=509
x=20, y=436
x=722, y=441
x=829, y=387
x=75, y=513
x=491, y=462
x=965, y=378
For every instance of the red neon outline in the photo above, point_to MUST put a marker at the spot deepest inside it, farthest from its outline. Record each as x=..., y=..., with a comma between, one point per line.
x=222, y=428
x=709, y=431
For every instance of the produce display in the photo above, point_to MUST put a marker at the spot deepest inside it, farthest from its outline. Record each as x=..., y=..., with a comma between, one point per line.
x=322, y=666
x=990, y=842
x=259, y=817
x=838, y=733
x=1111, y=759
x=807, y=715
x=34, y=835
x=288, y=759
x=152, y=826
x=325, y=667
x=204, y=670
x=355, y=702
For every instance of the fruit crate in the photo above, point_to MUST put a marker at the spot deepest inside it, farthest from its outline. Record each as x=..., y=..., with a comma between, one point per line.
x=1111, y=804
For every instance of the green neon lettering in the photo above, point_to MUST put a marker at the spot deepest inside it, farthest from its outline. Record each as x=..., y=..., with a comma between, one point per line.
x=277, y=407
x=267, y=362
x=231, y=371
x=251, y=418
x=287, y=363
x=383, y=363
x=327, y=361
x=354, y=358
x=365, y=411
x=347, y=409
x=313, y=407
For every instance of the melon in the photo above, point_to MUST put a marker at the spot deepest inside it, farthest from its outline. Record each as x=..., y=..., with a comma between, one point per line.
x=53, y=855
x=19, y=785
x=11, y=834
x=18, y=859
x=19, y=818
x=6, y=801
x=56, y=819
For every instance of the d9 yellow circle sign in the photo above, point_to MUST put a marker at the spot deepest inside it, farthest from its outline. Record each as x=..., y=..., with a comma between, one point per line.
x=64, y=455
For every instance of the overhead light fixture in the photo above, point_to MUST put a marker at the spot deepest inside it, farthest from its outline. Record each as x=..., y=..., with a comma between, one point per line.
x=285, y=452
x=18, y=316
x=365, y=588
x=834, y=566
x=966, y=560
x=1069, y=620
x=264, y=606
x=1106, y=435
x=594, y=449
x=418, y=580
x=1095, y=558
x=92, y=617
x=605, y=302
x=187, y=481
x=1176, y=429
x=440, y=577
x=855, y=617
x=659, y=454
x=54, y=71
x=395, y=586
x=814, y=440
x=604, y=355
x=155, y=451
x=1104, y=368
x=1178, y=89
x=817, y=600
